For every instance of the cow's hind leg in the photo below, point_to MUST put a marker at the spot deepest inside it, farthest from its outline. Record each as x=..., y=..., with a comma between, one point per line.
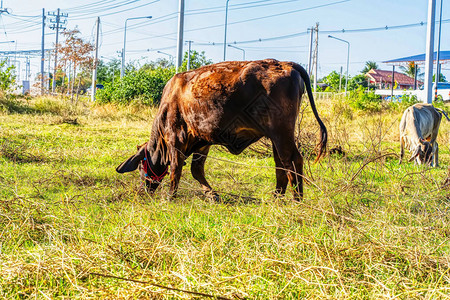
x=292, y=161
x=434, y=149
x=198, y=171
x=282, y=179
x=435, y=155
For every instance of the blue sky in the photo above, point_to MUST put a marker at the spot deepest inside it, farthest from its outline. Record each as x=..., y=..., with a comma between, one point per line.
x=248, y=20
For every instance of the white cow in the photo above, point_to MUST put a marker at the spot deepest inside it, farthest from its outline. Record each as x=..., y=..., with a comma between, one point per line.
x=419, y=128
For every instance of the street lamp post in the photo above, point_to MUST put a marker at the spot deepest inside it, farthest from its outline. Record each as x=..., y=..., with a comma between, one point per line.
x=243, y=51
x=225, y=35
x=348, y=57
x=122, y=70
x=169, y=55
x=438, y=66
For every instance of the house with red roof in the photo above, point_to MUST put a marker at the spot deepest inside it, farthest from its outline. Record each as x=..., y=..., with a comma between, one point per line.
x=383, y=79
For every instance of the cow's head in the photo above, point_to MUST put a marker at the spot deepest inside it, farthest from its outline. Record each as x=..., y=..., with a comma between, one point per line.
x=423, y=152
x=151, y=170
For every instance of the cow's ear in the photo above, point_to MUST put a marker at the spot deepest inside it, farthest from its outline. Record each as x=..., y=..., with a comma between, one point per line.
x=415, y=154
x=132, y=162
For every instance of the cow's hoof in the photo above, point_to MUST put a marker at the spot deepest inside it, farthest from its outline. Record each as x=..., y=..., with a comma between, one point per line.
x=213, y=196
x=172, y=197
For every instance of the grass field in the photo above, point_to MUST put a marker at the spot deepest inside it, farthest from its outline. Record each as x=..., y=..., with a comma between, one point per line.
x=71, y=227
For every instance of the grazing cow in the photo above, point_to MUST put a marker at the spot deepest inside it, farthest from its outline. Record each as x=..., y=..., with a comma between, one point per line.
x=233, y=104
x=419, y=128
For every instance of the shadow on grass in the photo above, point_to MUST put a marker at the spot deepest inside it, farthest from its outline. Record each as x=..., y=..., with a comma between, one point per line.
x=12, y=105
x=18, y=152
x=234, y=199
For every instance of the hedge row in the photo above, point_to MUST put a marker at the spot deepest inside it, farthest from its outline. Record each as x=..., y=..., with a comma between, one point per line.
x=145, y=86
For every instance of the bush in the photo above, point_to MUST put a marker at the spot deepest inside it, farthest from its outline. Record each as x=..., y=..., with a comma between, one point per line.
x=145, y=86
x=439, y=103
x=7, y=77
x=404, y=102
x=367, y=101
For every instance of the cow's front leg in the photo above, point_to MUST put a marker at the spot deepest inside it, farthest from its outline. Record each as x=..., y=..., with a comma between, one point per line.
x=176, y=167
x=402, y=150
x=198, y=171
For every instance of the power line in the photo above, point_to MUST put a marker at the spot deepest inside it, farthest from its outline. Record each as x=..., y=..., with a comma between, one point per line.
x=243, y=21
x=83, y=7
x=359, y=30
x=139, y=24
x=272, y=15
x=22, y=18
x=104, y=5
x=237, y=7
x=173, y=16
x=81, y=16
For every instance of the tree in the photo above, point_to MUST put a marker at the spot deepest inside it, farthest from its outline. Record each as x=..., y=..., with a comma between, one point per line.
x=357, y=81
x=197, y=60
x=78, y=54
x=159, y=63
x=369, y=66
x=7, y=76
x=411, y=69
x=441, y=78
x=108, y=72
x=332, y=80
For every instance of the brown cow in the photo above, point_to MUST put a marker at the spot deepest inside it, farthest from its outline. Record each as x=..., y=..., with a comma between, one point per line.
x=233, y=104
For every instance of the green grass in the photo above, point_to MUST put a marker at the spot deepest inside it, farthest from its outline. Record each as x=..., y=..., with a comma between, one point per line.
x=367, y=229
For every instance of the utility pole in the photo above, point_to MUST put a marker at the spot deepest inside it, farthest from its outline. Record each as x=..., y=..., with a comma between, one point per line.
x=122, y=60
x=49, y=59
x=438, y=66
x=316, y=56
x=225, y=33
x=429, y=52
x=56, y=51
x=3, y=10
x=43, y=51
x=310, y=49
x=59, y=25
x=94, y=71
x=69, y=77
x=27, y=68
x=415, y=76
x=180, y=35
x=189, y=55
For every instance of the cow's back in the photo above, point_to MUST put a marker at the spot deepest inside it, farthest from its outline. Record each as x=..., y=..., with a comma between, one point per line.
x=232, y=99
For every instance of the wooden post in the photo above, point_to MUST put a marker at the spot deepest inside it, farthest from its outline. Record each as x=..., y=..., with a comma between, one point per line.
x=392, y=83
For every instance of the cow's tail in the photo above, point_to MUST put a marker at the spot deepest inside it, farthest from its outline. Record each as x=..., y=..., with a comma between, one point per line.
x=442, y=112
x=323, y=130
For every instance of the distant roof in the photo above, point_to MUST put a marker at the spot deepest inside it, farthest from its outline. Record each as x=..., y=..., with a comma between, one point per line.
x=444, y=56
x=386, y=76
